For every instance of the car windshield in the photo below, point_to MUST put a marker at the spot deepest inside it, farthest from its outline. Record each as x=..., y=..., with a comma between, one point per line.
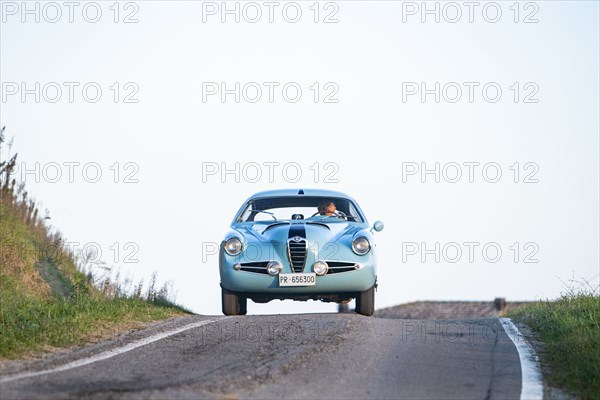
x=269, y=209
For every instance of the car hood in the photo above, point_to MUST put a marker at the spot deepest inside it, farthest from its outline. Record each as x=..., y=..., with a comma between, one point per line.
x=319, y=232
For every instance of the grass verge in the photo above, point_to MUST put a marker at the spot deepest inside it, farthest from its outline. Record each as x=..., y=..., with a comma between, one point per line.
x=570, y=331
x=46, y=301
x=29, y=325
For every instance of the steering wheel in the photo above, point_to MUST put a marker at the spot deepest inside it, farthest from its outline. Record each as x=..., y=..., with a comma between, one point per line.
x=338, y=214
x=341, y=215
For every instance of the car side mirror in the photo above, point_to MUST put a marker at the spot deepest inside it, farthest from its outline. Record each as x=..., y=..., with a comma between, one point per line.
x=378, y=226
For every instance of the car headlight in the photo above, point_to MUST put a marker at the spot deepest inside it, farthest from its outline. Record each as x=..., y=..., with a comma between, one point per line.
x=320, y=267
x=274, y=267
x=361, y=245
x=233, y=246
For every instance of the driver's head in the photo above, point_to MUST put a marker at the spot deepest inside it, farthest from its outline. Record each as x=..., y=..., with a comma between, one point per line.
x=326, y=207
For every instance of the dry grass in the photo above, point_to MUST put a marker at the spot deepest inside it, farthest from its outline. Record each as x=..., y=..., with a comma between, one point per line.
x=48, y=299
x=569, y=329
x=18, y=255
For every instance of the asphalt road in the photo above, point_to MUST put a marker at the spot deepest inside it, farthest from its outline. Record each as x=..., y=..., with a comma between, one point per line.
x=308, y=356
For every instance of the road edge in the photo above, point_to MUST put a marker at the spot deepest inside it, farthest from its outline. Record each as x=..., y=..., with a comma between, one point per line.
x=532, y=386
x=111, y=352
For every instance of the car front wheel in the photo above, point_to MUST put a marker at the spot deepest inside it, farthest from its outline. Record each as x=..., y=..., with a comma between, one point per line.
x=365, y=302
x=232, y=304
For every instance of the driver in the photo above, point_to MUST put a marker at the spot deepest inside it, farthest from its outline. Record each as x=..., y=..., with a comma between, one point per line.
x=327, y=208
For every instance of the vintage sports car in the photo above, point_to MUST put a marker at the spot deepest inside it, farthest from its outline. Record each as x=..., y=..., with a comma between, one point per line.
x=299, y=244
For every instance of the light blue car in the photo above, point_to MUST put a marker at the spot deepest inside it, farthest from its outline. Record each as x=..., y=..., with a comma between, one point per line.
x=299, y=244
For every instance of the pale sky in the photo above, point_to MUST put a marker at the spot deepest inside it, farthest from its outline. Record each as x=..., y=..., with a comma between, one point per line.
x=368, y=132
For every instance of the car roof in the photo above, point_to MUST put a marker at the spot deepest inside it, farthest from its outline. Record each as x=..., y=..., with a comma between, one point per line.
x=300, y=192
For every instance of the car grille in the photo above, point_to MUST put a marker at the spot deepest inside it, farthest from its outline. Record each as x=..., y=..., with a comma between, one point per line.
x=338, y=266
x=297, y=254
x=257, y=267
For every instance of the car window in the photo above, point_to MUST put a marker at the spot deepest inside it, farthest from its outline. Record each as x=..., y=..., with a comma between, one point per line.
x=302, y=208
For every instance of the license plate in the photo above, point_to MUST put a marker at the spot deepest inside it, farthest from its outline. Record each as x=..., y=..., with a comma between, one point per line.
x=306, y=279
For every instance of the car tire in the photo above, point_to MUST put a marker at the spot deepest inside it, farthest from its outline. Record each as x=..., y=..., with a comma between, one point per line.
x=243, y=305
x=231, y=303
x=365, y=302
x=343, y=308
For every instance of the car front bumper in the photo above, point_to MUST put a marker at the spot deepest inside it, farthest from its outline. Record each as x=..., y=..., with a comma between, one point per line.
x=342, y=282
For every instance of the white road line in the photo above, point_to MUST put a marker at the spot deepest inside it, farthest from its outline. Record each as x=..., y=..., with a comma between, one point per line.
x=531, y=376
x=110, y=353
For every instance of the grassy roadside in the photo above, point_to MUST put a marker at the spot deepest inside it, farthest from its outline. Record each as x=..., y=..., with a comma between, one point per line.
x=46, y=301
x=569, y=329
x=29, y=325
x=48, y=297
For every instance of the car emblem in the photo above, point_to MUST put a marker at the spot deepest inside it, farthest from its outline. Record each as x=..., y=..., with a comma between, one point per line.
x=296, y=239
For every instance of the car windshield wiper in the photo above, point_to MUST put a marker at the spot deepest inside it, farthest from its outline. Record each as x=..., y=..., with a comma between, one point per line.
x=266, y=212
x=342, y=217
